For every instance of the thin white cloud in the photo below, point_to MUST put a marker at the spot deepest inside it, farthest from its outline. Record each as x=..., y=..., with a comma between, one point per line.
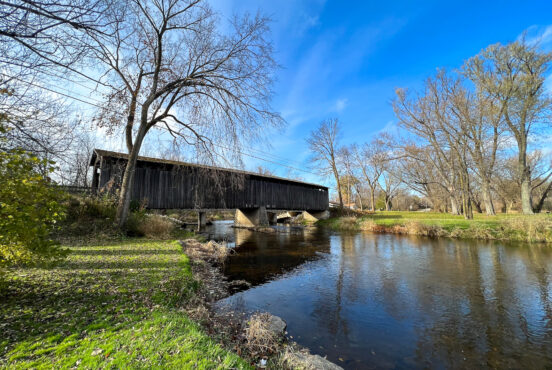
x=340, y=104
x=538, y=35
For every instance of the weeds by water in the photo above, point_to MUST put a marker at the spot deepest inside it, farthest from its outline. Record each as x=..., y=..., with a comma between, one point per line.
x=535, y=229
x=260, y=339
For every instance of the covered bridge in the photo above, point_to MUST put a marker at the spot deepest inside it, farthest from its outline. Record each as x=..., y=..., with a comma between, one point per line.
x=167, y=184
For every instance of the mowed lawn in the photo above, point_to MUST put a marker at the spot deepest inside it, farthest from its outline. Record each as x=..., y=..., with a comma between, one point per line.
x=106, y=306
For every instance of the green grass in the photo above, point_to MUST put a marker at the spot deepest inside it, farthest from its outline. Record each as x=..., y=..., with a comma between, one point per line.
x=514, y=227
x=117, y=305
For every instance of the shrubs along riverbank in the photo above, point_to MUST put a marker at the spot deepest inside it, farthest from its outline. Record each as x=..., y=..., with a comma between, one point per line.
x=518, y=228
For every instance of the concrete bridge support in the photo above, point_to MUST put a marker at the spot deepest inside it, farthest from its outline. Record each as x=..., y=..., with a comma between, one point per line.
x=272, y=218
x=251, y=217
x=201, y=220
x=315, y=216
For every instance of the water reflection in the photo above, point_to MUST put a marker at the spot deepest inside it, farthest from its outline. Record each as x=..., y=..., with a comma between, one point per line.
x=263, y=256
x=383, y=301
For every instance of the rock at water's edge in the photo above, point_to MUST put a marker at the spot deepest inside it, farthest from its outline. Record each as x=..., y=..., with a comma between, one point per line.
x=277, y=325
x=310, y=362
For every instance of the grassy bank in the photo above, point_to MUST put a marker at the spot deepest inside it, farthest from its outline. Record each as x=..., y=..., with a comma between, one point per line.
x=114, y=305
x=535, y=228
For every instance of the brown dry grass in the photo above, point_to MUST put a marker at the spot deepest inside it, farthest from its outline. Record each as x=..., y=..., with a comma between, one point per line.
x=155, y=226
x=348, y=223
x=211, y=251
x=531, y=229
x=418, y=228
x=259, y=338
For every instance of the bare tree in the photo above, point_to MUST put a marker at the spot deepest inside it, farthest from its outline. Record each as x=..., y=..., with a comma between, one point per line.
x=370, y=159
x=427, y=117
x=351, y=178
x=263, y=171
x=38, y=35
x=75, y=164
x=480, y=119
x=514, y=75
x=36, y=121
x=390, y=182
x=419, y=174
x=41, y=44
x=324, y=145
x=173, y=69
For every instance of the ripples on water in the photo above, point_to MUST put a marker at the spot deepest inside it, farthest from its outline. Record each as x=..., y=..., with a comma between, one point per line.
x=387, y=301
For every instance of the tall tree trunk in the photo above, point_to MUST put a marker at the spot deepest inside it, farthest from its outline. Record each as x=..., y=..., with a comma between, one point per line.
x=373, y=199
x=525, y=178
x=526, y=206
x=360, y=200
x=467, y=208
x=487, y=198
x=130, y=124
x=128, y=178
x=339, y=189
x=454, y=205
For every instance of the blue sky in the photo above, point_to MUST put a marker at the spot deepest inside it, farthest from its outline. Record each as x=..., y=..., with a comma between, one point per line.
x=345, y=59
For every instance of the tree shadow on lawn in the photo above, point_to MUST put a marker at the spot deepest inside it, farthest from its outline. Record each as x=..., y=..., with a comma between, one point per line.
x=380, y=216
x=126, y=252
x=47, y=312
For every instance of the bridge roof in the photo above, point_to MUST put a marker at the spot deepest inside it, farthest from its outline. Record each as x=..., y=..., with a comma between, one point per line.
x=106, y=153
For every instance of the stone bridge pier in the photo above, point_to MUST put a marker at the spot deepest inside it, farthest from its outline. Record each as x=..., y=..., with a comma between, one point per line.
x=201, y=220
x=259, y=216
x=251, y=217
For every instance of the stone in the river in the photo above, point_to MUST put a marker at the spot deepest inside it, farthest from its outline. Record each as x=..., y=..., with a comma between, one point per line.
x=276, y=325
x=310, y=362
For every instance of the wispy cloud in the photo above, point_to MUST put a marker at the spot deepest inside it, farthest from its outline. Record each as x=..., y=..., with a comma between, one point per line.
x=538, y=35
x=340, y=105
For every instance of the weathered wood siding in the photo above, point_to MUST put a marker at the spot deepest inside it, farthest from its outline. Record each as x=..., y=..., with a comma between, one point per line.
x=164, y=186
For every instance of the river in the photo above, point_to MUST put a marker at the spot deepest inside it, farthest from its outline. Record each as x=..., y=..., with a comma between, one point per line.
x=386, y=301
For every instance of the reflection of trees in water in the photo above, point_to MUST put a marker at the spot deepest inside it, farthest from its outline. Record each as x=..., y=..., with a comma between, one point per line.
x=472, y=304
x=482, y=321
x=446, y=303
x=262, y=256
x=328, y=307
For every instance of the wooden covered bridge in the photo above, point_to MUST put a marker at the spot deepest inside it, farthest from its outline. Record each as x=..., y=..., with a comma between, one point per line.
x=167, y=184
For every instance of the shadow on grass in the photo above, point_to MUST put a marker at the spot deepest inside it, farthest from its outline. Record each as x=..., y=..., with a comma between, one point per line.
x=383, y=216
x=62, y=313
x=125, y=252
x=109, y=265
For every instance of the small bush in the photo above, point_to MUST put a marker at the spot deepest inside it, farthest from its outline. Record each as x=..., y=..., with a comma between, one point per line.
x=29, y=209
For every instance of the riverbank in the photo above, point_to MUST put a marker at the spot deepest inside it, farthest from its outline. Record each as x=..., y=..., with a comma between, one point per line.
x=113, y=304
x=259, y=338
x=505, y=227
